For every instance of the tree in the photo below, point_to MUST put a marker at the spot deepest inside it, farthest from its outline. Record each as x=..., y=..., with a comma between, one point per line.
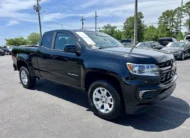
x=129, y=27
x=113, y=31
x=167, y=20
x=169, y=23
x=34, y=38
x=186, y=11
x=16, y=41
x=151, y=33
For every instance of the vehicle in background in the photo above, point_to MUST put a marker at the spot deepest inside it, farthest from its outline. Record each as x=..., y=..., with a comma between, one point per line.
x=127, y=42
x=180, y=50
x=166, y=40
x=150, y=45
x=128, y=45
x=6, y=50
x=116, y=78
x=187, y=38
x=2, y=53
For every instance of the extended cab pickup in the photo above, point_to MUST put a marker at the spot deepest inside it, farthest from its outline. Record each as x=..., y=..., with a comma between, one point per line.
x=116, y=78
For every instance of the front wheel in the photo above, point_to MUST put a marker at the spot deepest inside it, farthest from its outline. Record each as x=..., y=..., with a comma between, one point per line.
x=26, y=79
x=104, y=100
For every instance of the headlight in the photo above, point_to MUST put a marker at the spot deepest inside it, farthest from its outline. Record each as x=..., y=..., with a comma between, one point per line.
x=143, y=69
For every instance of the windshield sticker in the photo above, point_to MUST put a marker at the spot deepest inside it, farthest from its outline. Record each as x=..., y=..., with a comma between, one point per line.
x=87, y=39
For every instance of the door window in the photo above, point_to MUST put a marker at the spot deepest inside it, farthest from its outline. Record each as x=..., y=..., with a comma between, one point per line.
x=63, y=39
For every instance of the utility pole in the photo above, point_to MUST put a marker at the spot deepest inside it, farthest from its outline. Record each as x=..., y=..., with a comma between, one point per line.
x=82, y=22
x=180, y=19
x=136, y=23
x=37, y=8
x=96, y=16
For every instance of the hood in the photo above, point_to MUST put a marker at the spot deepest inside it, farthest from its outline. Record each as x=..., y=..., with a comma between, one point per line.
x=158, y=56
x=173, y=49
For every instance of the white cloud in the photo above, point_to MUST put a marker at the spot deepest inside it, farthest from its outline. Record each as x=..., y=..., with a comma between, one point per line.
x=14, y=9
x=12, y=23
x=52, y=16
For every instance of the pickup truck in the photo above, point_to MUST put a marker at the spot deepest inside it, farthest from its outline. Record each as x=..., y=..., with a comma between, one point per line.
x=117, y=79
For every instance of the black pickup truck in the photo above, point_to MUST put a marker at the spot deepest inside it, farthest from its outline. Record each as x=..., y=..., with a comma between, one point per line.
x=116, y=78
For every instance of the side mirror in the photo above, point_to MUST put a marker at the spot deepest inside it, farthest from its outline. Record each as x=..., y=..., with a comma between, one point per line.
x=71, y=49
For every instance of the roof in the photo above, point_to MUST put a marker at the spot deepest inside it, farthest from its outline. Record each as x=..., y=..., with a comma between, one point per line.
x=70, y=30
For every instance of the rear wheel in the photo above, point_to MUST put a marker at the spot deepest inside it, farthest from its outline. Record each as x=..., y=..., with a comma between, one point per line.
x=26, y=79
x=104, y=100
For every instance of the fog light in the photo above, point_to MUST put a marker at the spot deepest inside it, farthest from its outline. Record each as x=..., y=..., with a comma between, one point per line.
x=147, y=94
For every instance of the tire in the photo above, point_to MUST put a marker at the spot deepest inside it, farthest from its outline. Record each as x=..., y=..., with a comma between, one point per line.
x=26, y=79
x=115, y=109
x=182, y=56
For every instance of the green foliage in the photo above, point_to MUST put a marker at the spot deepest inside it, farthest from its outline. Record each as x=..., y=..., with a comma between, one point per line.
x=34, y=38
x=129, y=27
x=16, y=41
x=186, y=11
x=113, y=31
x=151, y=33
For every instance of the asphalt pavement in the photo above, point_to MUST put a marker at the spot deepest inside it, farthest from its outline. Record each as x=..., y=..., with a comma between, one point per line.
x=55, y=111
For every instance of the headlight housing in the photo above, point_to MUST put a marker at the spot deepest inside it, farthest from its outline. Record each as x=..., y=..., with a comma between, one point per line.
x=143, y=69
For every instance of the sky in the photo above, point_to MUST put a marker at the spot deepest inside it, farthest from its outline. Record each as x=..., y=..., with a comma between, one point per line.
x=18, y=18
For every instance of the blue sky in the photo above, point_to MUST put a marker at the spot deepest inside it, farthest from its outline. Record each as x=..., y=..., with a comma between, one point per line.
x=17, y=17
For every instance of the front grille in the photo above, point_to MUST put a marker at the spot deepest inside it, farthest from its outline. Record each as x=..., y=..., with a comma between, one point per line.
x=166, y=71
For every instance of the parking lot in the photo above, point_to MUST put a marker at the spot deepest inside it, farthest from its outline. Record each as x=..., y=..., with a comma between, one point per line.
x=53, y=110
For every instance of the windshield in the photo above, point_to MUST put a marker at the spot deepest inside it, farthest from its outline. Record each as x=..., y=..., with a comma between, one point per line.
x=102, y=40
x=140, y=45
x=143, y=45
x=176, y=44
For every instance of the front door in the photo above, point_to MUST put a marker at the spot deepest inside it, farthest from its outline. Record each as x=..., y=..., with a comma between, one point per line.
x=65, y=67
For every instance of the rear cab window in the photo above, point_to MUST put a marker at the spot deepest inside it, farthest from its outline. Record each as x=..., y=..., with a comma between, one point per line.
x=47, y=40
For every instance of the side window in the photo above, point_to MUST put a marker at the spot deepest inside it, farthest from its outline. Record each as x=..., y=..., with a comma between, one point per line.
x=47, y=39
x=63, y=39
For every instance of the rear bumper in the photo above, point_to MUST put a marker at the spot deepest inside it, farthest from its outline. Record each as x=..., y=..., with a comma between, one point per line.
x=135, y=104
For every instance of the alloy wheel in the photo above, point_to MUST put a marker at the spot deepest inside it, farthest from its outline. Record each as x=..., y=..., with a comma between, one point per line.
x=103, y=100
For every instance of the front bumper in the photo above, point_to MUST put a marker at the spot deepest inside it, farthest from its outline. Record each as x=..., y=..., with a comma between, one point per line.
x=136, y=104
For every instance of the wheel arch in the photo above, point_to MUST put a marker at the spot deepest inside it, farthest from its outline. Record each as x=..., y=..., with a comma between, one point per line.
x=110, y=77
x=21, y=63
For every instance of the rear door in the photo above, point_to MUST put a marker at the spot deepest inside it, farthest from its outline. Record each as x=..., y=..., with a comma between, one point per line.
x=65, y=67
